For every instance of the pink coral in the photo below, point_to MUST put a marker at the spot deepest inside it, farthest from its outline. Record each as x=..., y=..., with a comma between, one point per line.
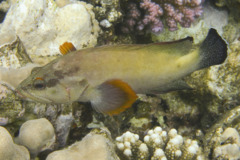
x=156, y=14
x=152, y=16
x=131, y=19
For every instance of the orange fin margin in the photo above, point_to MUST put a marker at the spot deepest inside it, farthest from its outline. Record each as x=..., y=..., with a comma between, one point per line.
x=131, y=96
x=116, y=97
x=67, y=47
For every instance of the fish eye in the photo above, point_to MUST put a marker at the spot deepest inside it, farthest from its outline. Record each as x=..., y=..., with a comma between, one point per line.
x=39, y=83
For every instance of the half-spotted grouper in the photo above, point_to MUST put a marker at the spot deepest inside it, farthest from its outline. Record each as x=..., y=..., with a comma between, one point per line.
x=111, y=76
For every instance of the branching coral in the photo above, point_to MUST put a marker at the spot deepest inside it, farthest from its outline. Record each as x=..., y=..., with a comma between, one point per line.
x=156, y=14
x=158, y=144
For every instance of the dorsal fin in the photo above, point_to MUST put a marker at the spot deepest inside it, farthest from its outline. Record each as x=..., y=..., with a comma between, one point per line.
x=187, y=40
x=178, y=47
x=67, y=47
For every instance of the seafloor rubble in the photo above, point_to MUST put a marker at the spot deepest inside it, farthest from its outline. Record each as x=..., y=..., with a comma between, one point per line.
x=203, y=123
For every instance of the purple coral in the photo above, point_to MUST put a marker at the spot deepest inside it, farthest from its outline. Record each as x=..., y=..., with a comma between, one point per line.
x=156, y=14
x=132, y=17
x=183, y=12
x=151, y=17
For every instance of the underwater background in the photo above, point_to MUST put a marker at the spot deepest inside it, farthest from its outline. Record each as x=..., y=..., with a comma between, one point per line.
x=202, y=123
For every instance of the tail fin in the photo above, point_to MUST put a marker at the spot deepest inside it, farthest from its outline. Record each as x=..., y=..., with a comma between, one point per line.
x=213, y=50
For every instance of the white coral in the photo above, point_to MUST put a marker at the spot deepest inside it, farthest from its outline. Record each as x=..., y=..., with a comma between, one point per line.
x=9, y=150
x=156, y=137
x=93, y=146
x=126, y=141
x=36, y=135
x=159, y=146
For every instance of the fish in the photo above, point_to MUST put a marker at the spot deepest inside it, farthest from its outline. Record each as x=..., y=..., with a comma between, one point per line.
x=110, y=77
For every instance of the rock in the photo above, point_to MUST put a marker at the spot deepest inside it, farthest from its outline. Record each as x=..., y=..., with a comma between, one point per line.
x=225, y=144
x=43, y=26
x=95, y=145
x=63, y=125
x=233, y=7
x=9, y=150
x=10, y=112
x=12, y=77
x=222, y=140
x=36, y=135
x=12, y=51
x=107, y=10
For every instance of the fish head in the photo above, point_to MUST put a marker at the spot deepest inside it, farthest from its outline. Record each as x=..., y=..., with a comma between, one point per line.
x=46, y=85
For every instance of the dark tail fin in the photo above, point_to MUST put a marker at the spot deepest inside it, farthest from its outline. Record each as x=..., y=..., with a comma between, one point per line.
x=213, y=50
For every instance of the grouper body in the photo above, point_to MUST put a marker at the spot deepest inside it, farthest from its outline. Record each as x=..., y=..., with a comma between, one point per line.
x=111, y=76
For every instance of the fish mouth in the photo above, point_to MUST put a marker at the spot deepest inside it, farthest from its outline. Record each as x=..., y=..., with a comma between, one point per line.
x=30, y=97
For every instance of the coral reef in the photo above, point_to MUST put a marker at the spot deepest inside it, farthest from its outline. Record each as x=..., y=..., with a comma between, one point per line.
x=233, y=6
x=42, y=26
x=97, y=144
x=212, y=18
x=206, y=119
x=158, y=144
x=10, y=106
x=160, y=13
x=216, y=93
x=3, y=91
x=36, y=135
x=231, y=31
x=9, y=150
x=107, y=12
x=4, y=6
x=40, y=33
x=229, y=145
x=224, y=134
x=12, y=77
x=63, y=126
x=12, y=52
x=225, y=144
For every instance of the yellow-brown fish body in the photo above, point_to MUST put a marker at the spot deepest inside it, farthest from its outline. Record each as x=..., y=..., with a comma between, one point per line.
x=109, y=76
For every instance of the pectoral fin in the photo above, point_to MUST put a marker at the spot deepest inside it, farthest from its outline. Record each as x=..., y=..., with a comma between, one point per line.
x=115, y=96
x=172, y=86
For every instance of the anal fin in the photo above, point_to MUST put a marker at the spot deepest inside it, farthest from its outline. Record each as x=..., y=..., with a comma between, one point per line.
x=115, y=96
